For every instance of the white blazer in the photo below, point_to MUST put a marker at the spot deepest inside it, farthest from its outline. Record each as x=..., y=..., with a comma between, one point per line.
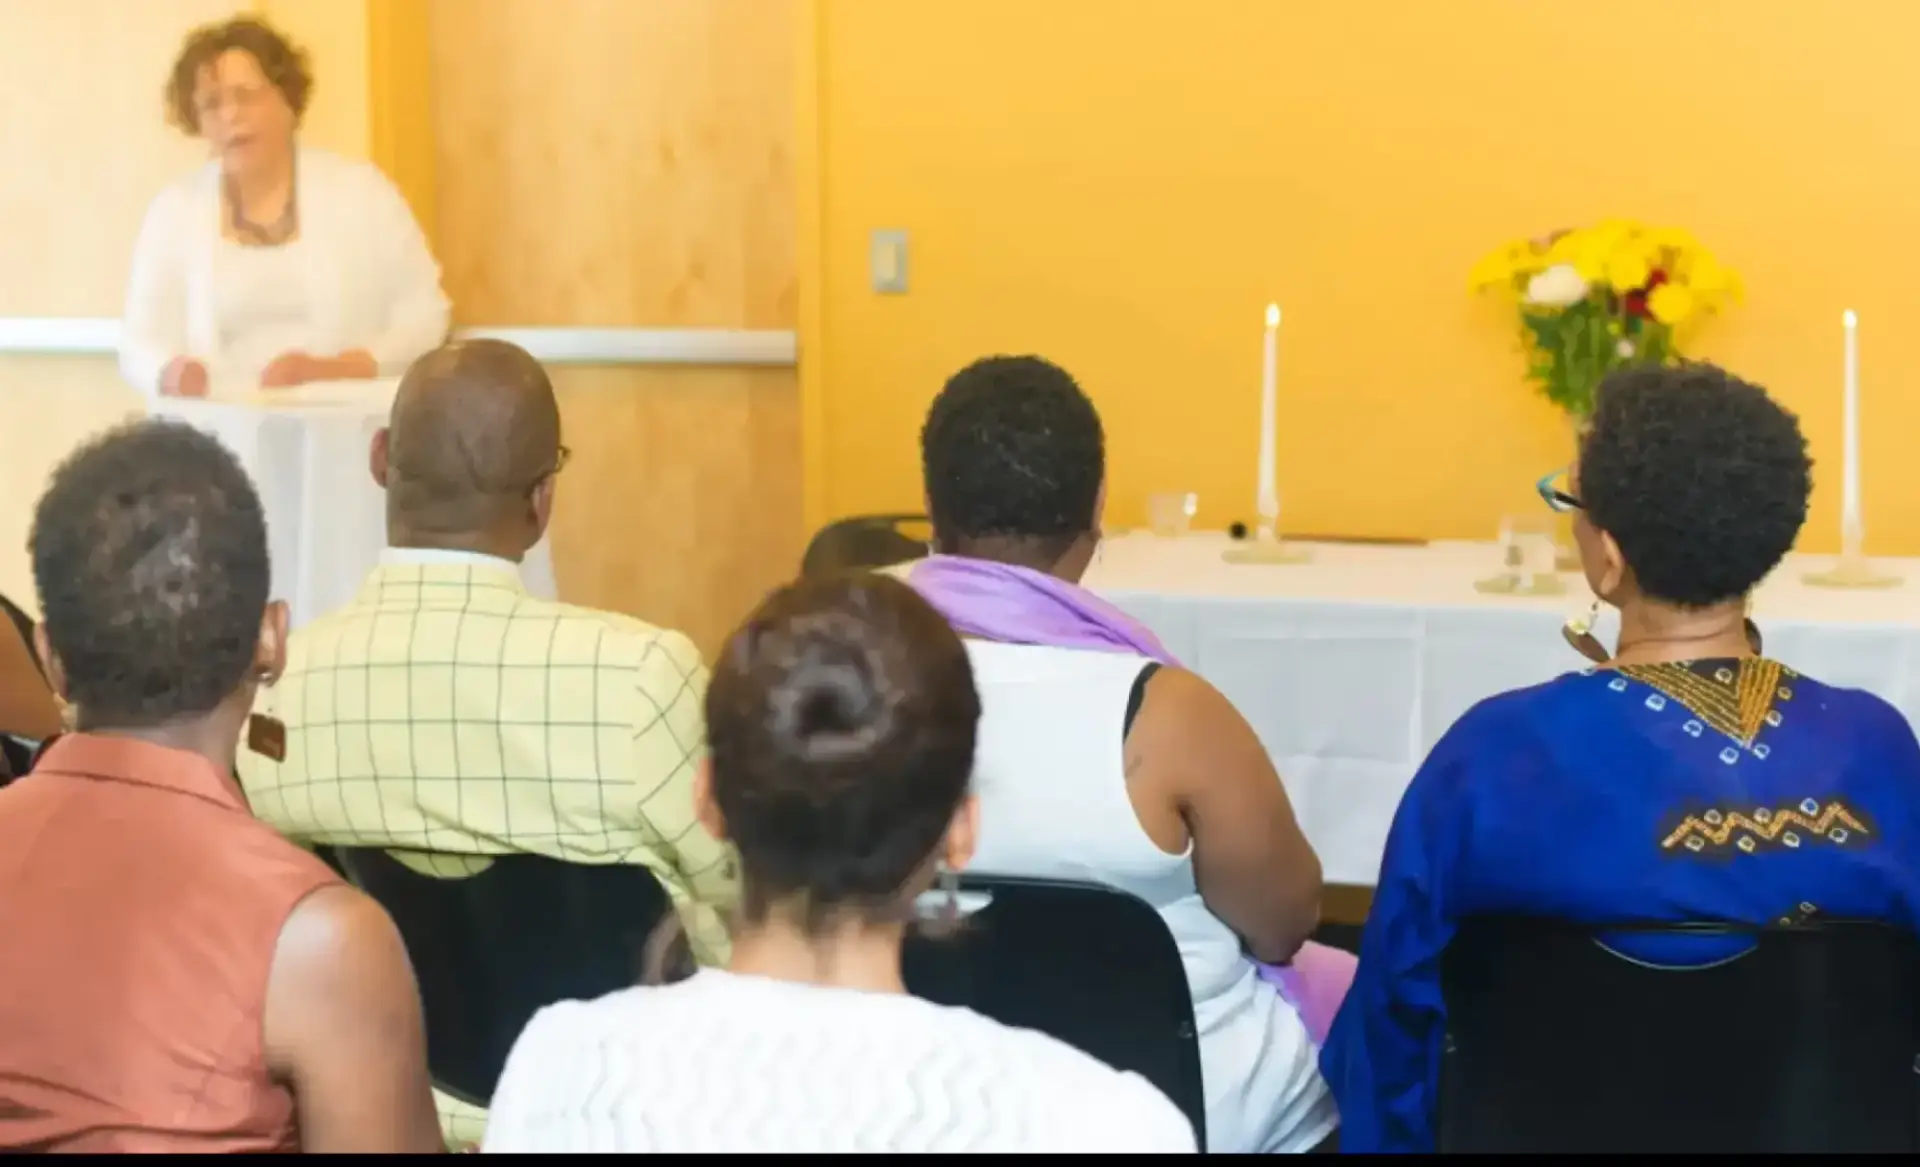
x=371, y=280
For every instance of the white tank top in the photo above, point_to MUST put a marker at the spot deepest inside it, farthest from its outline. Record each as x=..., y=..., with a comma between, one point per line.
x=1050, y=774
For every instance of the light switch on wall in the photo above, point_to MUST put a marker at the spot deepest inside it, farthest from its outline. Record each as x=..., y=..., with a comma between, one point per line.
x=887, y=261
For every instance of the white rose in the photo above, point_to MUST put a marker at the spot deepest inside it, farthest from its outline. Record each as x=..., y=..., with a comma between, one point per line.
x=1557, y=287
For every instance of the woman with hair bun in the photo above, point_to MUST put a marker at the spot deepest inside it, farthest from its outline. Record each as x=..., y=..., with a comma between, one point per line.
x=841, y=721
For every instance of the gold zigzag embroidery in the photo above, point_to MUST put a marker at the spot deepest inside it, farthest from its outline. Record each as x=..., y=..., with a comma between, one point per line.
x=1735, y=699
x=1762, y=824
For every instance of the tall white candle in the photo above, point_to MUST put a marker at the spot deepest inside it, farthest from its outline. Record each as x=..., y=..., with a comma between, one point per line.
x=1268, y=501
x=1852, y=529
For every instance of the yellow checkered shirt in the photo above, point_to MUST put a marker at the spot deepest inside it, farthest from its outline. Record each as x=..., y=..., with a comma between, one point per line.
x=448, y=715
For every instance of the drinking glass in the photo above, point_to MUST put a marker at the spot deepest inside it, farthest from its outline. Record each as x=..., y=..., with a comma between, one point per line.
x=1170, y=513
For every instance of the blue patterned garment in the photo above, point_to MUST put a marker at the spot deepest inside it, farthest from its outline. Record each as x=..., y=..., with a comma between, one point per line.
x=1731, y=790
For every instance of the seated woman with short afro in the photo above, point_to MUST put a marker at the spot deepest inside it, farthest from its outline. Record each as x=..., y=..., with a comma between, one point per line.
x=1685, y=777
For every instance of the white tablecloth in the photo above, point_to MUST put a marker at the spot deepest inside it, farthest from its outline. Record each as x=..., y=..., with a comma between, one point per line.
x=1351, y=666
x=307, y=450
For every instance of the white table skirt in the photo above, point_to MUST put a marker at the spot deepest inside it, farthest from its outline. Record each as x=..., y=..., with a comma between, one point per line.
x=1350, y=667
x=307, y=450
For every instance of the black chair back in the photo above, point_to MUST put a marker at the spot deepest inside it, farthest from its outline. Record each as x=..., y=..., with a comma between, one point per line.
x=1090, y=965
x=23, y=754
x=489, y=950
x=863, y=542
x=17, y=755
x=1804, y=1041
x=24, y=625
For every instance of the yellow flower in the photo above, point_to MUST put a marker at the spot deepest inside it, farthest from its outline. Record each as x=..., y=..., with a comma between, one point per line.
x=1577, y=250
x=1671, y=304
x=1504, y=266
x=1617, y=233
x=1528, y=259
x=1591, y=252
x=1708, y=279
x=1628, y=270
x=1495, y=268
x=1672, y=239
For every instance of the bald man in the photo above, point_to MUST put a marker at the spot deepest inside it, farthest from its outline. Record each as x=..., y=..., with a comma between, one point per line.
x=449, y=716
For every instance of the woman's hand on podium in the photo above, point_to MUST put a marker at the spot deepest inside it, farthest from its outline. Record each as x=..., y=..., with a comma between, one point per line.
x=297, y=368
x=183, y=377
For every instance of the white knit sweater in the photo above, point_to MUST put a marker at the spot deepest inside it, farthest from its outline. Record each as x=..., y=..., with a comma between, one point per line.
x=728, y=1063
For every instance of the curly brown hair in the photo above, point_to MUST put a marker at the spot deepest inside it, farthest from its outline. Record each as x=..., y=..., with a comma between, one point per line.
x=284, y=63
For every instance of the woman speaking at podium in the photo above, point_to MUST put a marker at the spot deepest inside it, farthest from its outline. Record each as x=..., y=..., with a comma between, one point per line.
x=273, y=264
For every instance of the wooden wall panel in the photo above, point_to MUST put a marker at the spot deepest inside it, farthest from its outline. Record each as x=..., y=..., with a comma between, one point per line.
x=629, y=163
x=680, y=502
x=617, y=162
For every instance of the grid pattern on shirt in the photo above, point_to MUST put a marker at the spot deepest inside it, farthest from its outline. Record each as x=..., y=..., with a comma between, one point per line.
x=446, y=712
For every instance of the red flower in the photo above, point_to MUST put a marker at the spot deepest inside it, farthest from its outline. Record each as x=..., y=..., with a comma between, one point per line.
x=1635, y=303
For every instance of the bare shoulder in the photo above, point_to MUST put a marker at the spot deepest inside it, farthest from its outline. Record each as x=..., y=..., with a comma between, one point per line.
x=332, y=926
x=339, y=963
x=343, y=1028
x=1188, y=739
x=1183, y=707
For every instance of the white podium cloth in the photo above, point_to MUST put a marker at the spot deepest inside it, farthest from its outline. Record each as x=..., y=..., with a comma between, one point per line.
x=307, y=451
x=1350, y=667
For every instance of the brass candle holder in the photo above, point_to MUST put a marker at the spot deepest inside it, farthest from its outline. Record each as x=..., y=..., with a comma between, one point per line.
x=1853, y=571
x=1267, y=549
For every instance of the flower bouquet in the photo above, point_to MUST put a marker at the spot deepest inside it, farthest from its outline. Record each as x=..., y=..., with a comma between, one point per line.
x=1593, y=299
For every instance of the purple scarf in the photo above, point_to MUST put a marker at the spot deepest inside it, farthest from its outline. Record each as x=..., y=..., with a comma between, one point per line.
x=1017, y=605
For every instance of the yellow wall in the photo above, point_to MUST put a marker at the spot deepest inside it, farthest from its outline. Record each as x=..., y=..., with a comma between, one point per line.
x=334, y=33
x=83, y=147
x=1123, y=186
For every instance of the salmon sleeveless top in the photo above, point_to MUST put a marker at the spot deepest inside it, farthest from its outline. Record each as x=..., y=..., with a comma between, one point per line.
x=140, y=904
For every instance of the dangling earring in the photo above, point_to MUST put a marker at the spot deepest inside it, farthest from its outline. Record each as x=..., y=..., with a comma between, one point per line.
x=1579, y=634
x=950, y=885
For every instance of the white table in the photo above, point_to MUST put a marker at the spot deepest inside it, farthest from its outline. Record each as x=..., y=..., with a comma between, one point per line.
x=1351, y=666
x=307, y=451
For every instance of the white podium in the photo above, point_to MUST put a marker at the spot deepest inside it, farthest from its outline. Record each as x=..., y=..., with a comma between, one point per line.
x=307, y=450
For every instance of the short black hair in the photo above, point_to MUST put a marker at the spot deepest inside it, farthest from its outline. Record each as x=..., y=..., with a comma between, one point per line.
x=150, y=554
x=1012, y=449
x=841, y=720
x=1699, y=476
